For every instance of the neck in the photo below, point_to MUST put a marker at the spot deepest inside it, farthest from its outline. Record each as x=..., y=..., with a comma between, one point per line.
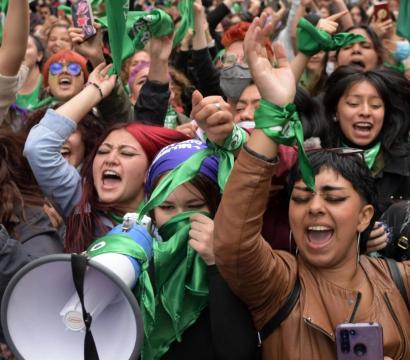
x=31, y=81
x=122, y=209
x=347, y=275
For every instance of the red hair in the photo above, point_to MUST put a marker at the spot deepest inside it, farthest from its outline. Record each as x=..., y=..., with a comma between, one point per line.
x=69, y=56
x=85, y=221
x=235, y=33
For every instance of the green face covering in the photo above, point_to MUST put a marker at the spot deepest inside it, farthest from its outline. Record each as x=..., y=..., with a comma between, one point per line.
x=282, y=124
x=188, y=169
x=181, y=288
x=310, y=40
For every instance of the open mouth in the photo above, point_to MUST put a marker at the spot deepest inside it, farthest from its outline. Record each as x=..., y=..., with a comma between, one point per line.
x=363, y=127
x=358, y=63
x=110, y=178
x=319, y=235
x=65, y=82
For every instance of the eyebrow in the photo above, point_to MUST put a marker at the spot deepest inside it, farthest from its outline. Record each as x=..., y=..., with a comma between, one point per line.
x=326, y=188
x=119, y=147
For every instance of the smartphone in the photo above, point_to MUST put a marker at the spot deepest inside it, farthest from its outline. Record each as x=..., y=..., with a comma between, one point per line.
x=83, y=17
x=361, y=341
x=381, y=11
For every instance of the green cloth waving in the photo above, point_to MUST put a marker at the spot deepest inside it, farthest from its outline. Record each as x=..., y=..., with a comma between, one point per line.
x=181, y=288
x=310, y=40
x=130, y=31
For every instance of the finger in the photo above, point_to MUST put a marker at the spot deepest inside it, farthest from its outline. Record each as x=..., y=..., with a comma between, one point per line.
x=201, y=218
x=280, y=55
x=338, y=15
x=375, y=233
x=196, y=98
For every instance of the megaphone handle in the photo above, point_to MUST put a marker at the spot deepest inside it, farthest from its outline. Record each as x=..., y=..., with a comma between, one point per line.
x=78, y=267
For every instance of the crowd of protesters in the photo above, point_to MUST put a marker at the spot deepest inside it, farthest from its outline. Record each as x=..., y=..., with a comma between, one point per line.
x=267, y=143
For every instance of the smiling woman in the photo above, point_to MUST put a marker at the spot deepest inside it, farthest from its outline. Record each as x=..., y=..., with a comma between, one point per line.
x=369, y=110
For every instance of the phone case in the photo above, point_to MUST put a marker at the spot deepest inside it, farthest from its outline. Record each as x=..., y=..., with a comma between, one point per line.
x=361, y=341
x=381, y=11
x=83, y=17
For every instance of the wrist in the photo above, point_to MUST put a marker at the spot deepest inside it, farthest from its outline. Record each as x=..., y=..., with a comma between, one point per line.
x=94, y=89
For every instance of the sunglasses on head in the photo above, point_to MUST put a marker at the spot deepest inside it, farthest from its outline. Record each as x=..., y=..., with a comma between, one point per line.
x=73, y=69
x=344, y=151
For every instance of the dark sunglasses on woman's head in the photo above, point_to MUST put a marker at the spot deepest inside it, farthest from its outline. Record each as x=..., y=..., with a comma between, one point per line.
x=341, y=151
x=73, y=69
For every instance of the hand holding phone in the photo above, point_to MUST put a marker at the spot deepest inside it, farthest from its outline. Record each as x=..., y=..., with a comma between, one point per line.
x=361, y=341
x=83, y=17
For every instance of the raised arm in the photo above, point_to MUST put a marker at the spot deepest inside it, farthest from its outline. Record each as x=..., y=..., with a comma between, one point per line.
x=59, y=180
x=152, y=103
x=15, y=35
x=245, y=260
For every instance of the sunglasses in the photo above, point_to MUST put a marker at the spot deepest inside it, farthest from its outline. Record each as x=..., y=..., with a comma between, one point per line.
x=72, y=68
x=344, y=151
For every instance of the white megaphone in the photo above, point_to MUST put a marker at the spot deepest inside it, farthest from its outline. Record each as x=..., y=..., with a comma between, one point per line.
x=41, y=311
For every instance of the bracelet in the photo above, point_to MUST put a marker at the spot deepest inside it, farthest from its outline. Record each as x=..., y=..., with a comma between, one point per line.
x=96, y=86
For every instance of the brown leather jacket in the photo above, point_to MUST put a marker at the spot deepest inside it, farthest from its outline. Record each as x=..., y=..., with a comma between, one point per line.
x=263, y=278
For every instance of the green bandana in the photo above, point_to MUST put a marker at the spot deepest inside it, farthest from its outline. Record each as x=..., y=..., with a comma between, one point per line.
x=310, y=40
x=129, y=31
x=118, y=244
x=370, y=155
x=49, y=101
x=282, y=124
x=186, y=9
x=30, y=101
x=188, y=169
x=181, y=288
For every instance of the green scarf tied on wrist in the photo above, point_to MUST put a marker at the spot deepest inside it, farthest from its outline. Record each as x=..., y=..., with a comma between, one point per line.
x=282, y=124
x=181, y=288
x=310, y=40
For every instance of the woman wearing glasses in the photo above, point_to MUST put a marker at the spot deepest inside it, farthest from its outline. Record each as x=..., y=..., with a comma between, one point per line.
x=329, y=221
x=65, y=74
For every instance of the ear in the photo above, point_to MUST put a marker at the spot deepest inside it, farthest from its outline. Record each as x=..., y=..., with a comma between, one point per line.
x=365, y=216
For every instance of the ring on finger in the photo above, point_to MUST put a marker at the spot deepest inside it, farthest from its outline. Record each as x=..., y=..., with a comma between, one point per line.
x=218, y=106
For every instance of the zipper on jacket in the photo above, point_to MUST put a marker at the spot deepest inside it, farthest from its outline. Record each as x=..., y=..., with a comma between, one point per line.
x=396, y=320
x=318, y=328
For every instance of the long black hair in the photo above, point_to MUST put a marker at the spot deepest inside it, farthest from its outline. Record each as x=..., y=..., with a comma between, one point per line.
x=393, y=88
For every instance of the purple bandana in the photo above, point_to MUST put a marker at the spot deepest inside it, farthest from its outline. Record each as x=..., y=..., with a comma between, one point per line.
x=173, y=155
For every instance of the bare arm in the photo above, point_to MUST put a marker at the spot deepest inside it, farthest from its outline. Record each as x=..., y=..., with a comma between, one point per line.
x=78, y=106
x=346, y=20
x=14, y=45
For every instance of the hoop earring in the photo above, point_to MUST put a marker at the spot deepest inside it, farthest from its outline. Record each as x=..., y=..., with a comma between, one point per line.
x=290, y=244
x=358, y=248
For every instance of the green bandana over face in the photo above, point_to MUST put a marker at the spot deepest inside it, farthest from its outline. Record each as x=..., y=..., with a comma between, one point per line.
x=188, y=169
x=181, y=288
x=130, y=31
x=310, y=40
x=282, y=124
